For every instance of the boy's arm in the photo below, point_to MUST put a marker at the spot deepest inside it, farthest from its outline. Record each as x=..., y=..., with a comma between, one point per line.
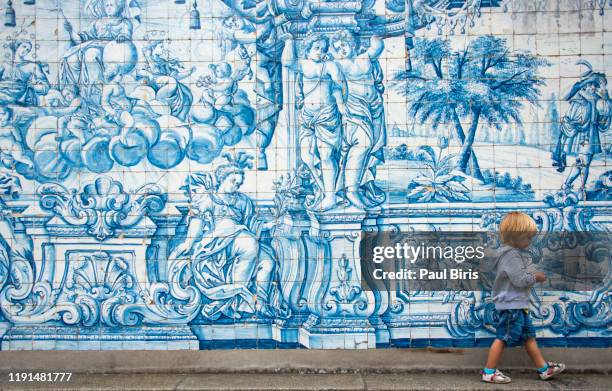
x=6, y=131
x=245, y=37
x=184, y=73
x=517, y=272
x=337, y=77
x=70, y=109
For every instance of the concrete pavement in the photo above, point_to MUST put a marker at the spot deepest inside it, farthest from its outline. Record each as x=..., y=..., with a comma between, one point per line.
x=294, y=360
x=295, y=381
x=287, y=369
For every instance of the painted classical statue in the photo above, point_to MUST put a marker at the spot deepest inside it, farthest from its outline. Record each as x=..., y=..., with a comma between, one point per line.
x=589, y=115
x=320, y=103
x=364, y=135
x=233, y=269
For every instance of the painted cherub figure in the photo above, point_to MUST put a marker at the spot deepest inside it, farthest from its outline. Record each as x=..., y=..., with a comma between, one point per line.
x=222, y=84
x=237, y=34
x=116, y=105
x=245, y=36
x=65, y=102
x=12, y=151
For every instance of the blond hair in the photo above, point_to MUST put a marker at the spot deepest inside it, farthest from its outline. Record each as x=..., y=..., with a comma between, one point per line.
x=515, y=226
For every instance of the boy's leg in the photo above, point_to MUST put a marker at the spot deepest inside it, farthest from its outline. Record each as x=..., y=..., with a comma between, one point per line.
x=546, y=370
x=504, y=335
x=531, y=346
x=495, y=353
x=490, y=374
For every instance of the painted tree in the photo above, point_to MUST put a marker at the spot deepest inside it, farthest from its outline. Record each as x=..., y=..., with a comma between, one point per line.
x=483, y=82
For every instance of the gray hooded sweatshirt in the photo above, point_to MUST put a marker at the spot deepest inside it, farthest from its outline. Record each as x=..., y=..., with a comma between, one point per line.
x=513, y=279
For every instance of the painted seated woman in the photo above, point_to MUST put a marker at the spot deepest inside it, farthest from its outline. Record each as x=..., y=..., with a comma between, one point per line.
x=24, y=80
x=82, y=64
x=235, y=271
x=164, y=73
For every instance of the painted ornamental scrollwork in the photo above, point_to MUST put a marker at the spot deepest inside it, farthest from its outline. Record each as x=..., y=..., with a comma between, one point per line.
x=23, y=298
x=99, y=283
x=311, y=88
x=345, y=295
x=571, y=311
x=101, y=207
x=95, y=284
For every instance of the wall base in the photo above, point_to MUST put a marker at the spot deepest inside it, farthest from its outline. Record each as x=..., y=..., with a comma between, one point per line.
x=337, y=333
x=173, y=337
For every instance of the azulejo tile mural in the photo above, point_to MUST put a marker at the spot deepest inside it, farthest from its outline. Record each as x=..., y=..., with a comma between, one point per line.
x=196, y=174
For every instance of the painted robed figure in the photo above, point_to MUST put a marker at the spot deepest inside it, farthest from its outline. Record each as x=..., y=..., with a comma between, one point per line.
x=341, y=130
x=589, y=115
x=234, y=270
x=364, y=134
x=320, y=102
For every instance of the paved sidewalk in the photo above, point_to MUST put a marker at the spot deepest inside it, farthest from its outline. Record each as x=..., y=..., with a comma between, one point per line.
x=578, y=360
x=292, y=381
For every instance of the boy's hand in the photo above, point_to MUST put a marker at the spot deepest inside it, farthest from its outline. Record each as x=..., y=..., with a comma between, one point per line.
x=540, y=277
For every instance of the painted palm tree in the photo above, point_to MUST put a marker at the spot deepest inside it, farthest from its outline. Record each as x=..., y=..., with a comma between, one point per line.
x=483, y=81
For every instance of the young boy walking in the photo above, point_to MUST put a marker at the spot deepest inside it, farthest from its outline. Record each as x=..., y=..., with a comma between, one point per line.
x=513, y=282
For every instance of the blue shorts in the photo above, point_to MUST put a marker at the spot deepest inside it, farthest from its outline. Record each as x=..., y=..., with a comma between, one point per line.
x=514, y=327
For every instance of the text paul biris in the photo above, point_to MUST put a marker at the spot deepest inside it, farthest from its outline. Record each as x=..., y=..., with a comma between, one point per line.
x=412, y=254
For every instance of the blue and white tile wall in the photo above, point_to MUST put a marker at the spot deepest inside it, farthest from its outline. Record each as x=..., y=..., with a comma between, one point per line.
x=195, y=174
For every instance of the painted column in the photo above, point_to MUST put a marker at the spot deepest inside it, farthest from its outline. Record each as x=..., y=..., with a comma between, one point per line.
x=340, y=309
